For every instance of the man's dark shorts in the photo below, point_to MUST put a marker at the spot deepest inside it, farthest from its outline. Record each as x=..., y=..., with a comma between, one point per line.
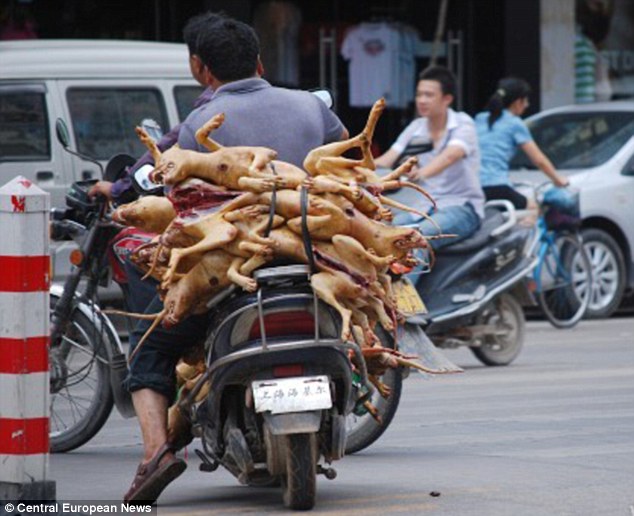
x=154, y=365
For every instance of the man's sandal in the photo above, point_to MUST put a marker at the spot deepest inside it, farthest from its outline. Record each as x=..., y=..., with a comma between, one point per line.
x=151, y=478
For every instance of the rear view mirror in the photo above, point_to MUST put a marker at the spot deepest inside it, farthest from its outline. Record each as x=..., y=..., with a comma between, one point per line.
x=143, y=184
x=61, y=130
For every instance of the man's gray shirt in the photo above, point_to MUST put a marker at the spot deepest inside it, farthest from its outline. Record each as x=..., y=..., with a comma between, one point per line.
x=292, y=122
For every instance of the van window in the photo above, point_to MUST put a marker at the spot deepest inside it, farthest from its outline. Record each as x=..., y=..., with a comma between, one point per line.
x=103, y=119
x=24, y=134
x=185, y=97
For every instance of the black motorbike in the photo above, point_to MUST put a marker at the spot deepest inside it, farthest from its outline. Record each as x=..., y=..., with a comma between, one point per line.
x=86, y=357
x=281, y=381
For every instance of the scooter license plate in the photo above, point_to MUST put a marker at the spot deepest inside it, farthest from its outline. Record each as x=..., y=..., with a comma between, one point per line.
x=407, y=299
x=299, y=394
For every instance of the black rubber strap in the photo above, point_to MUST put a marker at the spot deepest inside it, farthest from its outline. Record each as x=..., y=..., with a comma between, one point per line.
x=269, y=227
x=308, y=245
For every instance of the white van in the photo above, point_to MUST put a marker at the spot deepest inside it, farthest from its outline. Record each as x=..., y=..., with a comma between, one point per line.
x=101, y=88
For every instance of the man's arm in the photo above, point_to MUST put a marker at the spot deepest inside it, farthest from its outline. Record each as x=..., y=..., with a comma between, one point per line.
x=334, y=130
x=387, y=159
x=445, y=159
x=540, y=160
x=119, y=187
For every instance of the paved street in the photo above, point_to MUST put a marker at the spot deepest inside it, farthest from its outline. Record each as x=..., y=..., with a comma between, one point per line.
x=553, y=434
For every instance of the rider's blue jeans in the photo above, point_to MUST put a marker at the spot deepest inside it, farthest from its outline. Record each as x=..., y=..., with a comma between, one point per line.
x=458, y=220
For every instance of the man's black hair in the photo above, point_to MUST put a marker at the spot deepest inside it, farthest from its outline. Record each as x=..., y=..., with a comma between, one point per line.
x=442, y=75
x=192, y=29
x=229, y=48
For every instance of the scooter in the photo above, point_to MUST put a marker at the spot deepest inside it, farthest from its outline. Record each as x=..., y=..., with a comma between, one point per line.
x=280, y=379
x=280, y=385
x=474, y=294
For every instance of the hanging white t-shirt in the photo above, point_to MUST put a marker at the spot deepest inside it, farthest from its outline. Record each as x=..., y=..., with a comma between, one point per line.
x=382, y=63
x=372, y=49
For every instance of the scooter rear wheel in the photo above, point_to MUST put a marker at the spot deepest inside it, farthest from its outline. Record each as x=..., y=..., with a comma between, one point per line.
x=502, y=347
x=300, y=483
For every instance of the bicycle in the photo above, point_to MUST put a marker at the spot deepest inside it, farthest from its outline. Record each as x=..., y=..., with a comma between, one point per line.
x=562, y=278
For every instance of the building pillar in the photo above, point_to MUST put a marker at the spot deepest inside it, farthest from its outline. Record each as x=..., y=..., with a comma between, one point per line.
x=557, y=50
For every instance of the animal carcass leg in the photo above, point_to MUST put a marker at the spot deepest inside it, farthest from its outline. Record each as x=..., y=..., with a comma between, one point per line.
x=322, y=284
x=202, y=135
x=233, y=273
x=223, y=234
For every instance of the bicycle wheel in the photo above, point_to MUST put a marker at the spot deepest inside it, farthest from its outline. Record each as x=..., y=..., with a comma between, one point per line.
x=80, y=395
x=565, y=281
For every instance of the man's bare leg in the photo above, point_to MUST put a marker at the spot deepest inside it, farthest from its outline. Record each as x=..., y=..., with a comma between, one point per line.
x=151, y=409
x=159, y=466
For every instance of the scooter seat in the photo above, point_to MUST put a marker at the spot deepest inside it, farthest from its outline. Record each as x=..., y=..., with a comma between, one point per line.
x=480, y=238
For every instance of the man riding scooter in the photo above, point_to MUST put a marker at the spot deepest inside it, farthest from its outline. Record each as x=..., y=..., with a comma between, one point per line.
x=446, y=145
x=260, y=115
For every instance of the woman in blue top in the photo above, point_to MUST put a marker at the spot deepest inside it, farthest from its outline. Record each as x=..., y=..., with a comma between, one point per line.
x=500, y=132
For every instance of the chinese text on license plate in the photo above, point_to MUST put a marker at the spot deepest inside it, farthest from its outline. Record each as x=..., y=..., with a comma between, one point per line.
x=292, y=394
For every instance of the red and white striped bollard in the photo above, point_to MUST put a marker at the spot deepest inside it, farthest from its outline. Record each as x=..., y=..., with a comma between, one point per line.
x=24, y=337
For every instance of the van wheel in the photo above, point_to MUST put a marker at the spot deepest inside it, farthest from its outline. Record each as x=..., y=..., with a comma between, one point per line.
x=608, y=273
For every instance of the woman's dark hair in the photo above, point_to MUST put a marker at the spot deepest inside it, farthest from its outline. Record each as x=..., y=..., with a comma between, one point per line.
x=228, y=48
x=442, y=75
x=508, y=91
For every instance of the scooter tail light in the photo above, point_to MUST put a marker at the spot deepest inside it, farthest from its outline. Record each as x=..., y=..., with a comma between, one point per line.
x=288, y=370
x=282, y=324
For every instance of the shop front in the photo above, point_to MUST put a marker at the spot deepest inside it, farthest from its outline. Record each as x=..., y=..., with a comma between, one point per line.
x=569, y=50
